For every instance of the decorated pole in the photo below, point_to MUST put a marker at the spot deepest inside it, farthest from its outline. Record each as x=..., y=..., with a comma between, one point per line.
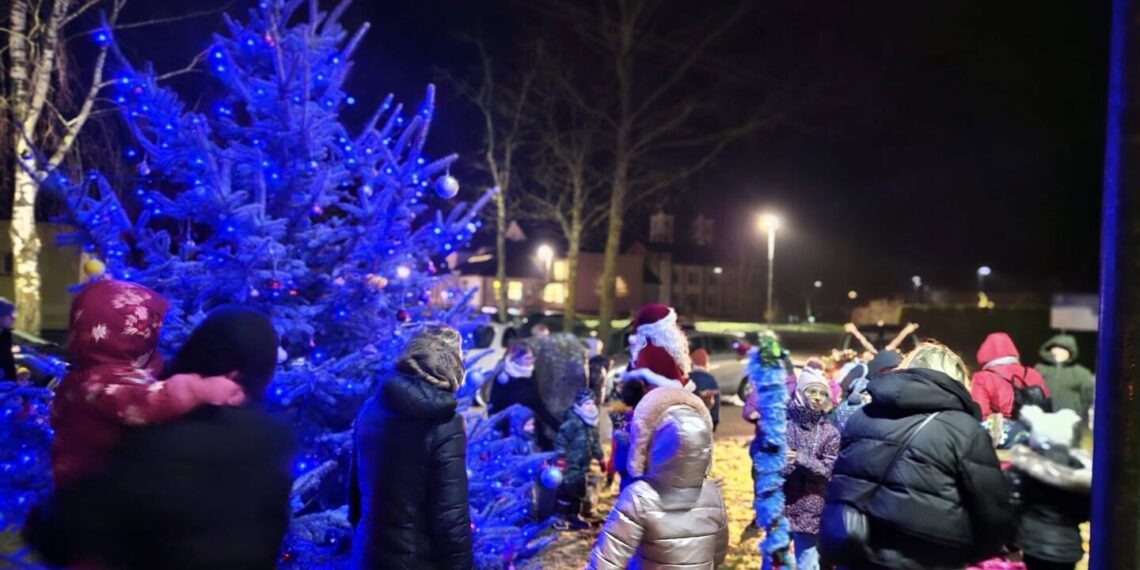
x=769, y=450
x=1116, y=471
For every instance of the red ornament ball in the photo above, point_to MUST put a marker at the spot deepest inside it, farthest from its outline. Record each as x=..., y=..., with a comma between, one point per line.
x=275, y=284
x=403, y=316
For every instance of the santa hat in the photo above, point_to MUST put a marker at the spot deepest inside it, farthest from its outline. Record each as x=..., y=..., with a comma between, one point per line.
x=1048, y=430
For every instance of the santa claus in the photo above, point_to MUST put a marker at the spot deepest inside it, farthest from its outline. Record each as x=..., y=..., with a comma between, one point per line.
x=658, y=349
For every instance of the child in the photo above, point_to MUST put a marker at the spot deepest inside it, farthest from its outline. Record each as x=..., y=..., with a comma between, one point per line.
x=113, y=340
x=1051, y=483
x=813, y=445
x=577, y=443
x=631, y=394
x=672, y=516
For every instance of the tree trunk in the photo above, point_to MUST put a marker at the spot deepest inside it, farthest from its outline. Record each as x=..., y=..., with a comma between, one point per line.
x=26, y=251
x=613, y=244
x=569, y=310
x=501, y=254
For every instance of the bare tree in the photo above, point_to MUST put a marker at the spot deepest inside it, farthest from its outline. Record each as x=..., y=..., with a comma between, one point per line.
x=659, y=96
x=49, y=105
x=500, y=94
x=565, y=188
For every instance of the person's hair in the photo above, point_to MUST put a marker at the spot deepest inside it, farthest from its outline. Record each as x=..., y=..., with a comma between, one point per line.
x=632, y=392
x=937, y=356
x=233, y=338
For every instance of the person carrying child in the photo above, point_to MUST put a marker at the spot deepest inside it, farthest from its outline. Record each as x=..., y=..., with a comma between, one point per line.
x=112, y=386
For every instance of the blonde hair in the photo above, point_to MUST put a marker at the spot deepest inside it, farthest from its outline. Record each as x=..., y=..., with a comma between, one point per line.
x=936, y=356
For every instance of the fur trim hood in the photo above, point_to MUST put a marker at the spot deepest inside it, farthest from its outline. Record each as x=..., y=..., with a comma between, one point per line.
x=671, y=441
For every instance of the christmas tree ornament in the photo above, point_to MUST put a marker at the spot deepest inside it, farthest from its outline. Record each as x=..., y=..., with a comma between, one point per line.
x=274, y=285
x=94, y=268
x=403, y=316
x=551, y=477
x=446, y=187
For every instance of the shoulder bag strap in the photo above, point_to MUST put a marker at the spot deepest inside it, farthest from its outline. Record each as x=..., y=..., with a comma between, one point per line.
x=898, y=454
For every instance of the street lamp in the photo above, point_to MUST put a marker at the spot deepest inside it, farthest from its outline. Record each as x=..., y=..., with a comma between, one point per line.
x=852, y=294
x=810, y=313
x=770, y=222
x=917, y=282
x=983, y=272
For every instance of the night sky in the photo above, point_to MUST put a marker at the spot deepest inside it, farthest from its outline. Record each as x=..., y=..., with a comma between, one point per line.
x=946, y=134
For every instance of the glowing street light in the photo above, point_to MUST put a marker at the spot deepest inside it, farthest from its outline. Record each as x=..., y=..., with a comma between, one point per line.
x=818, y=284
x=983, y=272
x=769, y=223
x=852, y=294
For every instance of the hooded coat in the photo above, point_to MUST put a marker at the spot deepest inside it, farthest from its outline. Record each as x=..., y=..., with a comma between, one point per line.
x=945, y=503
x=672, y=518
x=1052, y=490
x=408, y=481
x=1070, y=384
x=993, y=386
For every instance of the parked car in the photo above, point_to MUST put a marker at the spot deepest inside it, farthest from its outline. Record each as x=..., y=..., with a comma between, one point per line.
x=45, y=360
x=728, y=364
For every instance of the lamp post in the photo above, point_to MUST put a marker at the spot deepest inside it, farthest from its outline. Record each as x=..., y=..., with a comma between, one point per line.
x=917, y=282
x=983, y=272
x=770, y=223
x=815, y=289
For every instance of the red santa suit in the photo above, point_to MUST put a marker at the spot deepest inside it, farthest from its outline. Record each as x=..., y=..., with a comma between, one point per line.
x=659, y=350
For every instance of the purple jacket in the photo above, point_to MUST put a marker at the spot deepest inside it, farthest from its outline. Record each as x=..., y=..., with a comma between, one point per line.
x=816, y=443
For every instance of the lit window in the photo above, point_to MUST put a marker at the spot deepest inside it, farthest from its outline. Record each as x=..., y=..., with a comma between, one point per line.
x=514, y=290
x=561, y=270
x=554, y=293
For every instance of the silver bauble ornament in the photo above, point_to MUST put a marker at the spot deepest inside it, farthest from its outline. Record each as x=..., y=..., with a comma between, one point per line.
x=447, y=187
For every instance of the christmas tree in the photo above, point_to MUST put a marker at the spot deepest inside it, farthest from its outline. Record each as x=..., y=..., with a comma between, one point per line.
x=268, y=199
x=504, y=474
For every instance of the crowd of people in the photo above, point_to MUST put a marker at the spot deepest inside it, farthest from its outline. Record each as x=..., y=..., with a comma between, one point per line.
x=893, y=461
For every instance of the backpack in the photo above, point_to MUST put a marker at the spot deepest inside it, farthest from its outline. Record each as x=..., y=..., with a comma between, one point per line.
x=1025, y=395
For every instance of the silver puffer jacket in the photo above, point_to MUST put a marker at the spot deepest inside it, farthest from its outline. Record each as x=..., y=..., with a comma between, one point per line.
x=672, y=518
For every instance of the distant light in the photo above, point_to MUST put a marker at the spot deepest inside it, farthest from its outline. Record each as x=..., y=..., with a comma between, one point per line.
x=718, y=270
x=818, y=284
x=769, y=222
x=852, y=294
x=984, y=271
x=917, y=281
x=545, y=252
x=403, y=272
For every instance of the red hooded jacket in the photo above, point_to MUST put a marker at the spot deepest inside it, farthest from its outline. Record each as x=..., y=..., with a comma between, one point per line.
x=1001, y=368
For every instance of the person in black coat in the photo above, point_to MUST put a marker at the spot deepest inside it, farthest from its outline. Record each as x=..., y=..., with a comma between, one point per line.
x=1052, y=482
x=209, y=491
x=512, y=382
x=408, y=483
x=945, y=503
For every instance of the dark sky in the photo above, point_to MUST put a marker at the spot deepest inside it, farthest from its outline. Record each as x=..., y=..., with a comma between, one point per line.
x=951, y=133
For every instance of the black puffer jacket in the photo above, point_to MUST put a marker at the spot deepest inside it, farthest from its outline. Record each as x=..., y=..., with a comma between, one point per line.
x=945, y=503
x=209, y=491
x=1052, y=488
x=408, y=493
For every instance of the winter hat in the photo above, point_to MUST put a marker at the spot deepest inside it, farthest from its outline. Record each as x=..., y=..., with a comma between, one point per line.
x=700, y=358
x=233, y=338
x=810, y=377
x=6, y=307
x=1048, y=430
x=883, y=362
